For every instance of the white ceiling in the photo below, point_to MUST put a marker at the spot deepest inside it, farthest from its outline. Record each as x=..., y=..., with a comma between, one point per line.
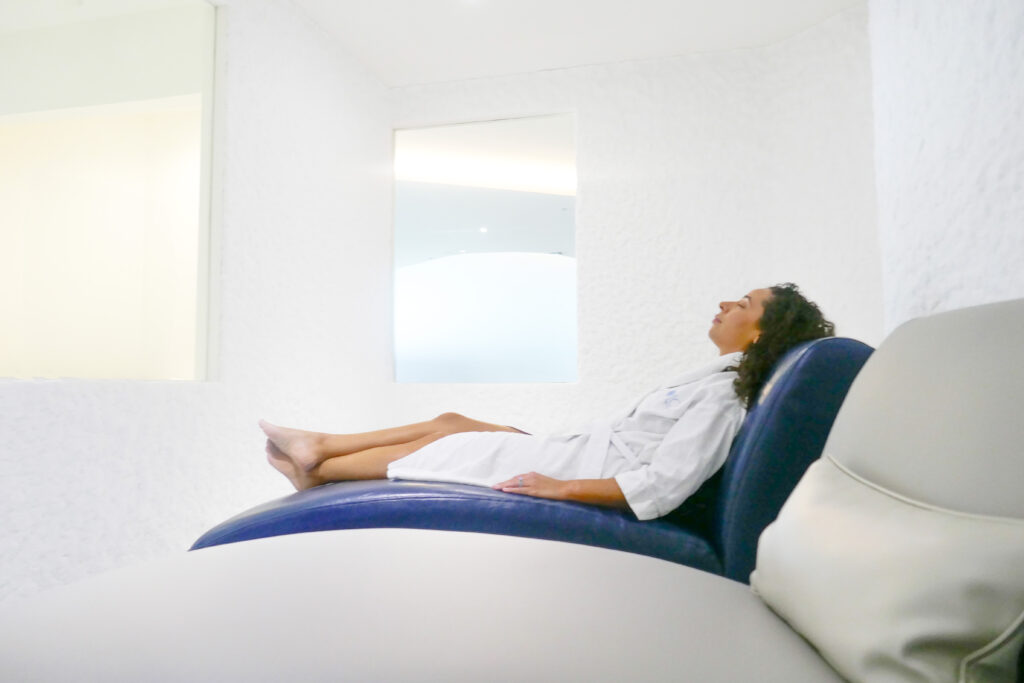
x=407, y=42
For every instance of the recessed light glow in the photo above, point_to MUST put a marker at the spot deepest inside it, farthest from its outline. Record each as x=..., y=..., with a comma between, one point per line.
x=486, y=171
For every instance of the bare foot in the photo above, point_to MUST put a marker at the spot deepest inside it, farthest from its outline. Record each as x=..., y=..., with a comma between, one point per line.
x=302, y=447
x=282, y=463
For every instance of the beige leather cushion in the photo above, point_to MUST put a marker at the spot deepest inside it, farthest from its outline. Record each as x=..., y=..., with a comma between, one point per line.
x=888, y=589
x=935, y=413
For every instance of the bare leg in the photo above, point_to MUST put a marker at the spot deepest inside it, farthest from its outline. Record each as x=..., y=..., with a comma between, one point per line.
x=369, y=464
x=309, y=449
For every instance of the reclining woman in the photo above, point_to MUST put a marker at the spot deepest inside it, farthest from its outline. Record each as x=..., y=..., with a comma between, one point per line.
x=648, y=460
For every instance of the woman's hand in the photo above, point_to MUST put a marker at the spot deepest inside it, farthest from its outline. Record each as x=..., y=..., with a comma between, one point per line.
x=593, y=491
x=533, y=484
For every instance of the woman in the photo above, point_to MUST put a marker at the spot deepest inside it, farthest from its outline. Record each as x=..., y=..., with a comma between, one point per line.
x=649, y=460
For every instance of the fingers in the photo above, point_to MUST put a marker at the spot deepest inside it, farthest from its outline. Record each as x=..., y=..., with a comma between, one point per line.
x=529, y=484
x=517, y=484
x=520, y=481
x=533, y=484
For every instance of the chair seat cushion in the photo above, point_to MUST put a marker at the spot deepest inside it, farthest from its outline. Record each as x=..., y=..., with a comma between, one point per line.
x=459, y=507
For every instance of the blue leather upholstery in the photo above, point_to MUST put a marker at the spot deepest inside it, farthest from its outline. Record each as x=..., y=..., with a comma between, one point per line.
x=459, y=507
x=782, y=435
x=785, y=431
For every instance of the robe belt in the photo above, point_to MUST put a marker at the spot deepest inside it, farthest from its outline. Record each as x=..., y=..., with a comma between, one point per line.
x=601, y=439
x=624, y=450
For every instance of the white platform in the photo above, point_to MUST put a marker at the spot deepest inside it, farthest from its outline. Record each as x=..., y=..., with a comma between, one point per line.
x=395, y=605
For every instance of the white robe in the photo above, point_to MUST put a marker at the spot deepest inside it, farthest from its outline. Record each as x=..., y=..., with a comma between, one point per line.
x=659, y=452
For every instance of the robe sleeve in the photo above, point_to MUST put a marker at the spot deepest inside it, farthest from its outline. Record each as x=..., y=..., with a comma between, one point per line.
x=694, y=448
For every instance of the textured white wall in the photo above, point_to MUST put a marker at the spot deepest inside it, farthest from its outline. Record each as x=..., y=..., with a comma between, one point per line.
x=820, y=173
x=98, y=474
x=700, y=177
x=949, y=107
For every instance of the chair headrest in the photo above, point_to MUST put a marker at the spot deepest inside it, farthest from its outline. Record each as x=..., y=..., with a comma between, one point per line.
x=784, y=432
x=940, y=422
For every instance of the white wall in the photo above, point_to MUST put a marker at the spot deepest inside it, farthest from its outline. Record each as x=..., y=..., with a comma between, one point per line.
x=820, y=173
x=98, y=474
x=700, y=177
x=949, y=102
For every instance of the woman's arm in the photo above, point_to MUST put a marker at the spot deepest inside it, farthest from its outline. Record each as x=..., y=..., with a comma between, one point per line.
x=593, y=491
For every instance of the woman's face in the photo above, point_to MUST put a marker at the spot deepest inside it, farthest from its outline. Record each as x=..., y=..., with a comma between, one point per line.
x=736, y=325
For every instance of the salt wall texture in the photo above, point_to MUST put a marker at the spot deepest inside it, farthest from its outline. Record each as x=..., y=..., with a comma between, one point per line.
x=102, y=474
x=700, y=177
x=949, y=107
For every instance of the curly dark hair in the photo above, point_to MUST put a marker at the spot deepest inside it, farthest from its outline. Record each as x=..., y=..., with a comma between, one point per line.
x=788, y=320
